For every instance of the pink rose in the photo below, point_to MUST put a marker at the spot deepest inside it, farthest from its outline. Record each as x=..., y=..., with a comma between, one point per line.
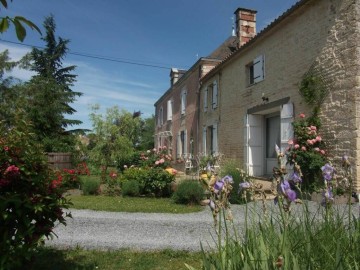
x=157, y=162
x=12, y=169
x=313, y=127
x=161, y=161
x=303, y=148
x=309, y=142
x=6, y=148
x=318, y=138
x=322, y=152
x=301, y=115
x=290, y=142
x=296, y=146
x=317, y=149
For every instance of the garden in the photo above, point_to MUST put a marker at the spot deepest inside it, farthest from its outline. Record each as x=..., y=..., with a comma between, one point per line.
x=118, y=169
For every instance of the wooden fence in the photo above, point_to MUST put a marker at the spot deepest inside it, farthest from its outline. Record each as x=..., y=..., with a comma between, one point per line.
x=59, y=160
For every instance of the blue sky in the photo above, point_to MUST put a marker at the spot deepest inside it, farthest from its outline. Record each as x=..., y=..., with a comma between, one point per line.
x=163, y=33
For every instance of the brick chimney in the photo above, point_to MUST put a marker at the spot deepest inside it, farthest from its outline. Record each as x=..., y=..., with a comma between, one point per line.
x=245, y=20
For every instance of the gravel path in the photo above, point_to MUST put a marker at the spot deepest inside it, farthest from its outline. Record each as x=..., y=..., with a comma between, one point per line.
x=143, y=231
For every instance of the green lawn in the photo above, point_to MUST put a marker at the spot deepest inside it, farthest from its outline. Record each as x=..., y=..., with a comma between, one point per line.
x=109, y=260
x=131, y=204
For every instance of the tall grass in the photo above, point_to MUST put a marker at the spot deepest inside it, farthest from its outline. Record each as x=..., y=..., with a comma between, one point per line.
x=279, y=234
x=301, y=240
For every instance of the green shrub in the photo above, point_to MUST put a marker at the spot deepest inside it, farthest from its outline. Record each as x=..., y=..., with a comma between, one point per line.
x=188, y=192
x=90, y=185
x=152, y=181
x=130, y=188
x=239, y=176
x=31, y=195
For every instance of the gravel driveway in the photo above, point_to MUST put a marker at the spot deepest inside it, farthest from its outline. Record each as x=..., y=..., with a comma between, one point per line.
x=143, y=231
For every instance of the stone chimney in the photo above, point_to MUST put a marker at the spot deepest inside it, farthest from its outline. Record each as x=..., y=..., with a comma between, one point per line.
x=245, y=20
x=175, y=75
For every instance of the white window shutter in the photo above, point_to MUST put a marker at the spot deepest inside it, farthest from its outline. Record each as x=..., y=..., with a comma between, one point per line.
x=215, y=95
x=255, y=145
x=204, y=140
x=169, y=110
x=183, y=102
x=215, y=139
x=206, y=99
x=185, y=144
x=258, y=65
x=286, y=127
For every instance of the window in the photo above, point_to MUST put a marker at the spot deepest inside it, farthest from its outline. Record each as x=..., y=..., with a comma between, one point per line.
x=210, y=140
x=181, y=149
x=183, y=101
x=169, y=110
x=160, y=117
x=211, y=96
x=256, y=70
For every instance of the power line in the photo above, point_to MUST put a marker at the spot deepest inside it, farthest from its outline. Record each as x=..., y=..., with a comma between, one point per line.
x=98, y=57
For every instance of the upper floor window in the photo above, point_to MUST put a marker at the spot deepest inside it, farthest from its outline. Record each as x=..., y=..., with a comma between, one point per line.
x=169, y=110
x=183, y=101
x=256, y=70
x=211, y=96
x=161, y=116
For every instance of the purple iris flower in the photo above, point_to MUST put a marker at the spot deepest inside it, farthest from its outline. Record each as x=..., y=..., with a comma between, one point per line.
x=244, y=185
x=218, y=186
x=228, y=179
x=328, y=197
x=295, y=177
x=328, y=171
x=287, y=191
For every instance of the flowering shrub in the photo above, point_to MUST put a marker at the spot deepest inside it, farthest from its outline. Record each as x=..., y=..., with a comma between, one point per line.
x=307, y=149
x=155, y=158
x=31, y=196
x=152, y=181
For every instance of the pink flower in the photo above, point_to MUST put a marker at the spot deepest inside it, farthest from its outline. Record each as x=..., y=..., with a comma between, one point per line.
x=12, y=169
x=313, y=127
x=303, y=148
x=157, y=162
x=290, y=142
x=318, y=138
x=161, y=161
x=296, y=146
x=154, y=149
x=6, y=148
x=317, y=149
x=301, y=115
x=310, y=142
x=164, y=147
x=322, y=152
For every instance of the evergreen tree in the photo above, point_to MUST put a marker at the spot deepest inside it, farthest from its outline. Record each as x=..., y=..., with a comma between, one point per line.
x=49, y=92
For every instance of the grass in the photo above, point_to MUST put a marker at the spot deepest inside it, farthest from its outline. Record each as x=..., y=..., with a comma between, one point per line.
x=120, y=259
x=131, y=204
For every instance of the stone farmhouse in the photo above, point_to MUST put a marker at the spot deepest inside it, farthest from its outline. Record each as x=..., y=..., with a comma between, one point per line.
x=248, y=100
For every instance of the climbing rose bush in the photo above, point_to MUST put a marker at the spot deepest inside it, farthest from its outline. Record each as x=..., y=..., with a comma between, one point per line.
x=31, y=196
x=307, y=149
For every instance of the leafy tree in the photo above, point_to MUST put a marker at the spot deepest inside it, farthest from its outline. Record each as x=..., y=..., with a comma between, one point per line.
x=49, y=92
x=114, y=136
x=146, y=140
x=17, y=21
x=9, y=96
